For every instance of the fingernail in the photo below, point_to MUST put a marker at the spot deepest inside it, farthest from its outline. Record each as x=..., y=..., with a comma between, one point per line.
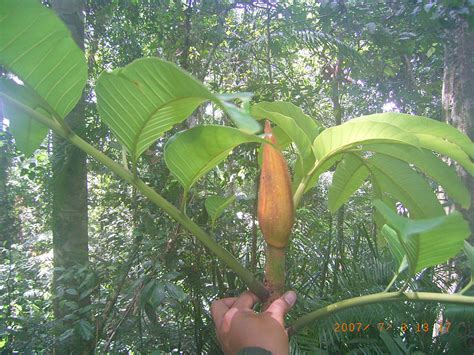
x=290, y=297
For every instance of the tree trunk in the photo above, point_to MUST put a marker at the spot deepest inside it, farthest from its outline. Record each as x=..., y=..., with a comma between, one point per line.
x=458, y=92
x=70, y=238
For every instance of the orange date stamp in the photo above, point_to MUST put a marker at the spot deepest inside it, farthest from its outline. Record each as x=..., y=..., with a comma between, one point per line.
x=422, y=327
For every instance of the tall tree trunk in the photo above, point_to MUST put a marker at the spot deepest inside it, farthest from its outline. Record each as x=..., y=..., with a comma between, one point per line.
x=458, y=92
x=70, y=238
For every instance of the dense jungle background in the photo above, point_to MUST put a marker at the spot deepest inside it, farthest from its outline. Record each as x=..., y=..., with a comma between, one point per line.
x=88, y=263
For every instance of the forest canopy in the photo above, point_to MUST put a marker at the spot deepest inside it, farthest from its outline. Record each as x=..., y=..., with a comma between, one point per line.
x=156, y=156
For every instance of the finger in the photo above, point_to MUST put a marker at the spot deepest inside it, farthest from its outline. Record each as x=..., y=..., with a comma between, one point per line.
x=246, y=301
x=220, y=307
x=282, y=305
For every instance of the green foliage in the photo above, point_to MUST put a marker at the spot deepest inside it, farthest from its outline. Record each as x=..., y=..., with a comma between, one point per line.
x=168, y=280
x=216, y=205
x=148, y=97
x=191, y=154
x=38, y=47
x=424, y=241
x=28, y=133
x=298, y=127
x=350, y=173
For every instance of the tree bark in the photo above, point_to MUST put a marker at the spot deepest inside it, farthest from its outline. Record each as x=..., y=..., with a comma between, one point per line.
x=70, y=220
x=458, y=92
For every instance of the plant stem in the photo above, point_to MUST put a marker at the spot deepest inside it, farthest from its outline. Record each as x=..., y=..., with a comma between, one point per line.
x=300, y=191
x=246, y=276
x=377, y=298
x=468, y=286
x=274, y=273
x=391, y=282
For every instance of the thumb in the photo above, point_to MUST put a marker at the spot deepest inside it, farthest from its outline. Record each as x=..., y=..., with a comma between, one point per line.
x=282, y=305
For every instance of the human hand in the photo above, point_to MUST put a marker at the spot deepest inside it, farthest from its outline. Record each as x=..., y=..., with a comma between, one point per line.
x=238, y=326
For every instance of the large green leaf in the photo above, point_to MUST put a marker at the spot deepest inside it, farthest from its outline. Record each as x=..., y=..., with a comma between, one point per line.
x=290, y=126
x=395, y=246
x=349, y=175
x=28, y=133
x=429, y=164
x=427, y=242
x=38, y=48
x=321, y=167
x=310, y=127
x=216, y=205
x=432, y=135
x=449, y=149
x=192, y=153
x=351, y=135
x=149, y=96
x=404, y=184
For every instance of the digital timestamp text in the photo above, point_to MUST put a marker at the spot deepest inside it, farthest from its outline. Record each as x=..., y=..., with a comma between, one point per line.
x=358, y=327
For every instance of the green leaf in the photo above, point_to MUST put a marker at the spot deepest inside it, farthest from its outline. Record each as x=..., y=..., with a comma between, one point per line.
x=449, y=149
x=175, y=291
x=310, y=127
x=157, y=294
x=28, y=133
x=393, y=343
x=320, y=168
x=215, y=206
x=191, y=154
x=398, y=179
x=240, y=116
x=395, y=246
x=289, y=125
x=432, y=135
x=348, y=177
x=85, y=329
x=72, y=292
x=459, y=313
x=429, y=164
x=37, y=46
x=351, y=135
x=149, y=96
x=427, y=242
x=147, y=292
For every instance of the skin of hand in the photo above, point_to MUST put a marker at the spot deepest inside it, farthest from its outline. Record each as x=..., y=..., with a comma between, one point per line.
x=239, y=326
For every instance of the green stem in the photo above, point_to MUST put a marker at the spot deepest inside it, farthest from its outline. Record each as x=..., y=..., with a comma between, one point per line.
x=404, y=287
x=252, y=283
x=274, y=273
x=468, y=286
x=377, y=298
x=300, y=191
x=391, y=282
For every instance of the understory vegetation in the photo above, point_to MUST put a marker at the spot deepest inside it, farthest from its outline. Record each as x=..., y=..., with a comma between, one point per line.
x=130, y=156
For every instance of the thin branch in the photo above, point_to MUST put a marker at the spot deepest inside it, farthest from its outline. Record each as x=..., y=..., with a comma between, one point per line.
x=119, y=323
x=102, y=321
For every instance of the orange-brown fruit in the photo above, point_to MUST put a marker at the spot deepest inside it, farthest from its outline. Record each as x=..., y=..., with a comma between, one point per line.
x=275, y=210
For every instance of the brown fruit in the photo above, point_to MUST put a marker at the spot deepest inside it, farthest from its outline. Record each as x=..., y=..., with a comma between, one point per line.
x=275, y=210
